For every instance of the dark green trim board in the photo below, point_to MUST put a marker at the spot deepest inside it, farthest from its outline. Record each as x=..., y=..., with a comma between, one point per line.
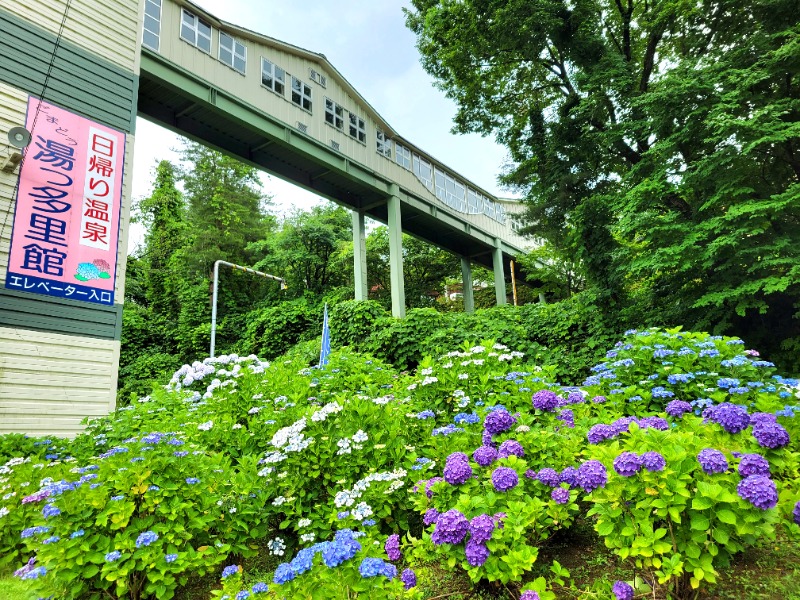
x=80, y=81
x=43, y=313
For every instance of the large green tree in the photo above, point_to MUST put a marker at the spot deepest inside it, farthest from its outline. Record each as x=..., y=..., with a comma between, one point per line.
x=309, y=250
x=657, y=141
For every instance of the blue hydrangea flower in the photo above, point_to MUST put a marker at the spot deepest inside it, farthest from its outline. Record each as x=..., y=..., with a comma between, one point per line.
x=260, y=588
x=113, y=556
x=170, y=557
x=146, y=538
x=229, y=571
x=283, y=573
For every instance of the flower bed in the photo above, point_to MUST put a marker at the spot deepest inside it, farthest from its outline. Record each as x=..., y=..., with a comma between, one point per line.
x=681, y=449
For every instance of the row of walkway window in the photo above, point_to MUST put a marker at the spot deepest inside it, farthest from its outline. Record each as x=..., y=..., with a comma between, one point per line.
x=233, y=53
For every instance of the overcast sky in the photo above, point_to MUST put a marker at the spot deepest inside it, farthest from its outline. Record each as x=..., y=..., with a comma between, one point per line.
x=367, y=41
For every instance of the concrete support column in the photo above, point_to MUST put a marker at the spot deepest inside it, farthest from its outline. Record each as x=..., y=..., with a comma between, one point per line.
x=466, y=281
x=359, y=255
x=396, y=255
x=499, y=274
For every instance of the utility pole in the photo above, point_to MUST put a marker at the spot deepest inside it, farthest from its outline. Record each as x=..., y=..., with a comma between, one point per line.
x=214, y=295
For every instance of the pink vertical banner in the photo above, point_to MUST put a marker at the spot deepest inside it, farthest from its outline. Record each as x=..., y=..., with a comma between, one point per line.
x=66, y=222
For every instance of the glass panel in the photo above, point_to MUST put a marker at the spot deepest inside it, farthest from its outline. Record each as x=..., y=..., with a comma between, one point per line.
x=239, y=64
x=150, y=40
x=204, y=43
x=152, y=10
x=204, y=29
x=152, y=25
x=187, y=33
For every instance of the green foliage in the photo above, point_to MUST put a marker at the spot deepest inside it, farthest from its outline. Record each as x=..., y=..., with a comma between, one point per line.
x=143, y=373
x=656, y=144
x=272, y=331
x=352, y=322
x=308, y=251
x=403, y=341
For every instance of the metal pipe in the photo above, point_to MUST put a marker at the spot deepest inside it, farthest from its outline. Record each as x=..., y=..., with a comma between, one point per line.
x=214, y=294
x=513, y=283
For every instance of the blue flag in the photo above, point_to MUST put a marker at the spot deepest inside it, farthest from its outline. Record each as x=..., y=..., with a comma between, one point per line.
x=326, y=340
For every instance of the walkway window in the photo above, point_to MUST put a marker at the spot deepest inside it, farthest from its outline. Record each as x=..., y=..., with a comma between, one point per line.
x=474, y=202
x=272, y=76
x=232, y=53
x=402, y=156
x=151, y=35
x=358, y=128
x=384, y=144
x=301, y=94
x=334, y=114
x=424, y=171
x=196, y=31
x=440, y=184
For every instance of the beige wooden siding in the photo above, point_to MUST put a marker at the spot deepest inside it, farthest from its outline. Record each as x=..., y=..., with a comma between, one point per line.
x=248, y=88
x=107, y=28
x=12, y=114
x=49, y=382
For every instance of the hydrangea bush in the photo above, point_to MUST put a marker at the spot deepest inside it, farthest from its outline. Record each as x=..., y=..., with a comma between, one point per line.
x=680, y=448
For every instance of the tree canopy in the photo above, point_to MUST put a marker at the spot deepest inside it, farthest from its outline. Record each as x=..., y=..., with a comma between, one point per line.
x=657, y=141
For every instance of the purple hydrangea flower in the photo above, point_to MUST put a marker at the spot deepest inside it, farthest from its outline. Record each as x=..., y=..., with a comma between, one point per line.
x=569, y=476
x=392, y=547
x=796, y=513
x=600, y=432
x=575, y=398
x=545, y=400
x=653, y=461
x=731, y=417
x=592, y=475
x=498, y=421
x=457, y=456
x=654, y=423
x=677, y=408
x=549, y=477
x=486, y=439
x=481, y=528
x=759, y=418
x=431, y=482
x=451, y=528
x=622, y=590
x=431, y=516
x=529, y=595
x=753, y=464
x=409, y=578
x=560, y=495
x=623, y=424
x=568, y=417
x=760, y=491
x=484, y=455
x=628, y=464
x=712, y=461
x=599, y=399
x=476, y=552
x=510, y=448
x=504, y=479
x=457, y=471
x=770, y=435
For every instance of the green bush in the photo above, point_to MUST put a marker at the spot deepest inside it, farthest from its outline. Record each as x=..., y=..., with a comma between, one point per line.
x=353, y=321
x=403, y=342
x=271, y=332
x=143, y=373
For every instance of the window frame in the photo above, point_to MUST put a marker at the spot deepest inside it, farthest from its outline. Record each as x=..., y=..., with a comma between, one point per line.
x=383, y=145
x=236, y=44
x=418, y=162
x=301, y=93
x=357, y=128
x=145, y=30
x=195, y=27
x=273, y=73
x=402, y=155
x=336, y=113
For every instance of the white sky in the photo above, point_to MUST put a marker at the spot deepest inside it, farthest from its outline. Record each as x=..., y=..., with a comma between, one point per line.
x=367, y=41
